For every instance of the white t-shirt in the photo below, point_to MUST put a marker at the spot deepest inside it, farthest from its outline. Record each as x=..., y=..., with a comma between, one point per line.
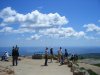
x=60, y=51
x=46, y=52
x=6, y=54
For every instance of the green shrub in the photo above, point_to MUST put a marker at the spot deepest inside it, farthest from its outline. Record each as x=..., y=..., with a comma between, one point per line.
x=97, y=65
x=91, y=72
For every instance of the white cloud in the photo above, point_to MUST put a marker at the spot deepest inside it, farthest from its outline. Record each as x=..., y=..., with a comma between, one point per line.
x=32, y=19
x=62, y=32
x=20, y=30
x=28, y=23
x=24, y=30
x=7, y=12
x=92, y=27
x=6, y=29
x=9, y=20
x=34, y=37
x=80, y=34
x=50, y=24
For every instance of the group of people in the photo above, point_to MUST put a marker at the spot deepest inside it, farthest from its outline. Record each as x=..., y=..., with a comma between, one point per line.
x=15, y=54
x=61, y=55
x=74, y=58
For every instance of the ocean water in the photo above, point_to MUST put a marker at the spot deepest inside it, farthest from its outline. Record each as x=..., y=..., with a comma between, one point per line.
x=27, y=51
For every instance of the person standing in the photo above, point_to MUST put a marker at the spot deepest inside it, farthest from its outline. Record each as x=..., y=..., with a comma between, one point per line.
x=75, y=58
x=46, y=57
x=59, y=54
x=66, y=53
x=72, y=58
x=15, y=54
x=62, y=59
x=51, y=54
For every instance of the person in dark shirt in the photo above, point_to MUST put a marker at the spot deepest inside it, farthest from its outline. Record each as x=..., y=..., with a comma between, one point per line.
x=75, y=58
x=66, y=53
x=46, y=57
x=72, y=58
x=51, y=54
x=15, y=54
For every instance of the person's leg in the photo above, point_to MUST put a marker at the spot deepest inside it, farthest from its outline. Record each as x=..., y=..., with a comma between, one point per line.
x=51, y=58
x=60, y=58
x=45, y=60
x=2, y=58
x=13, y=59
x=16, y=61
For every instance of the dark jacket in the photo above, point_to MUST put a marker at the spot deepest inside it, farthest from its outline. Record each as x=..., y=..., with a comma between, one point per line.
x=15, y=53
x=51, y=51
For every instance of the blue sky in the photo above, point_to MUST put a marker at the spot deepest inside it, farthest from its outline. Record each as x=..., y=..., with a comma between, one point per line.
x=50, y=23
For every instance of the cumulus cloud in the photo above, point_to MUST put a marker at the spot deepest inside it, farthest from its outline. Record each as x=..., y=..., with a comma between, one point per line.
x=20, y=30
x=62, y=32
x=51, y=24
x=92, y=27
x=32, y=19
x=7, y=12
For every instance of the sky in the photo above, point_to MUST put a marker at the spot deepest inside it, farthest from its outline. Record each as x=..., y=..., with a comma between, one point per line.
x=50, y=23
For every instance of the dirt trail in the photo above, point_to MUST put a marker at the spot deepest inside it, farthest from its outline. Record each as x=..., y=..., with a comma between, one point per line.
x=35, y=67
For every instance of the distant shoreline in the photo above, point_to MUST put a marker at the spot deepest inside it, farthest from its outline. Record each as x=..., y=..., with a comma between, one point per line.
x=27, y=51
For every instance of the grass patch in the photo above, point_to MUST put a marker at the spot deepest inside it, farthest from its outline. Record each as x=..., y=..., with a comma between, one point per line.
x=97, y=65
x=91, y=72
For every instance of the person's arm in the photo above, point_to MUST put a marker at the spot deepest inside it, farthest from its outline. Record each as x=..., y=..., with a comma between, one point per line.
x=17, y=53
x=12, y=53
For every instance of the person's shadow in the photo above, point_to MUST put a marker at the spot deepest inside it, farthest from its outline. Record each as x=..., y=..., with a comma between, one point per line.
x=43, y=65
